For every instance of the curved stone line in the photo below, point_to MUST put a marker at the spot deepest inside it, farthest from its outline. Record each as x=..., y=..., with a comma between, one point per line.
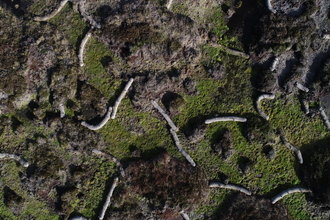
x=110, y=157
x=14, y=157
x=293, y=148
x=184, y=215
x=178, y=145
x=86, y=15
x=62, y=110
x=261, y=97
x=326, y=36
x=270, y=7
x=288, y=192
x=324, y=117
x=305, y=106
x=237, y=53
x=107, y=202
x=167, y=118
x=274, y=64
x=101, y=124
x=231, y=51
x=78, y=218
x=82, y=48
x=55, y=12
x=227, y=118
x=301, y=87
x=169, y=4
x=121, y=96
x=230, y=186
x=297, y=152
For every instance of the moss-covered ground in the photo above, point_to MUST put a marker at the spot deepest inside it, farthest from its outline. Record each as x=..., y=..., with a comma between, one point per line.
x=232, y=95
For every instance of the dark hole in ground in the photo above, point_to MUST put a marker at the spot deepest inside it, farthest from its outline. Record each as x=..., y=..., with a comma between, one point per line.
x=104, y=11
x=151, y=153
x=80, y=84
x=74, y=169
x=25, y=113
x=125, y=51
x=70, y=103
x=244, y=164
x=161, y=2
x=15, y=123
x=174, y=73
x=50, y=116
x=171, y=100
x=17, y=7
x=269, y=151
x=195, y=127
x=132, y=148
x=223, y=178
x=13, y=201
x=10, y=197
x=51, y=97
x=135, y=151
x=225, y=8
x=29, y=114
x=33, y=105
x=105, y=61
x=50, y=72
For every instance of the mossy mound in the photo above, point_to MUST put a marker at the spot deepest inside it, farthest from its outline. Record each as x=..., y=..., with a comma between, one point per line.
x=258, y=131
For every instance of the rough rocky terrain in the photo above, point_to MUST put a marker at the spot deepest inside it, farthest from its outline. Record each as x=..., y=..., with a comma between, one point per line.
x=197, y=60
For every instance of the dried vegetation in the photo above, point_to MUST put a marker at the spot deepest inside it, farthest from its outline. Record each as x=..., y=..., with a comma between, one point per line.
x=184, y=58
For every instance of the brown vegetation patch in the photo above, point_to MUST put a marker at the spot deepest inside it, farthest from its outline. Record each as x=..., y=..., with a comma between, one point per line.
x=166, y=179
x=245, y=207
x=134, y=33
